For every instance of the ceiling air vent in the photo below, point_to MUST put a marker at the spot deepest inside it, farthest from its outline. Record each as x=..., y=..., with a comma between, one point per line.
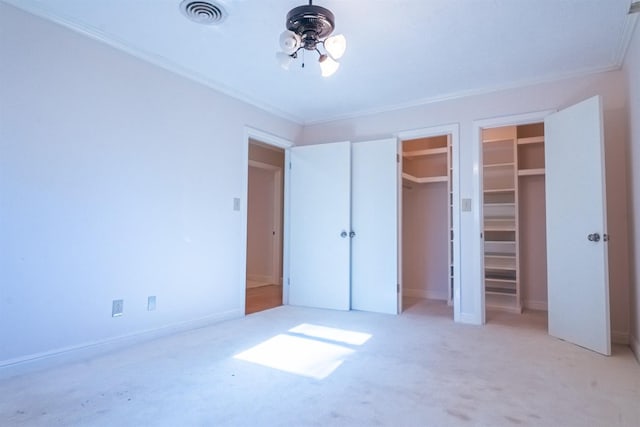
x=635, y=7
x=203, y=12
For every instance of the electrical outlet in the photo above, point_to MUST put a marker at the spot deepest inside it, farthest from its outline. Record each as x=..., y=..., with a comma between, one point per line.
x=466, y=205
x=117, y=307
x=151, y=303
x=236, y=203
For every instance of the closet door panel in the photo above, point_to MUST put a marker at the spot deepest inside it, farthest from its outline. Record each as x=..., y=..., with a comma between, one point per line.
x=374, y=216
x=577, y=270
x=319, y=225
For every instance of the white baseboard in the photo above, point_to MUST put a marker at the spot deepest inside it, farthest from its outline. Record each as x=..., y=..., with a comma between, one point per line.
x=618, y=337
x=536, y=305
x=469, y=319
x=634, y=343
x=48, y=359
x=424, y=293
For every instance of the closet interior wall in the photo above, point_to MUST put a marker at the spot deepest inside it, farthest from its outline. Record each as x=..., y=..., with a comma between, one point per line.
x=426, y=220
x=531, y=211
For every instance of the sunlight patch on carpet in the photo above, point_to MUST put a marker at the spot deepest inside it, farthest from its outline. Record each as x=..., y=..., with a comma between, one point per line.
x=308, y=350
x=331, y=334
x=296, y=355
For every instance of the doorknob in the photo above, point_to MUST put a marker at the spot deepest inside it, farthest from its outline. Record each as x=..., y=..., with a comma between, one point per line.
x=343, y=234
x=594, y=237
x=352, y=234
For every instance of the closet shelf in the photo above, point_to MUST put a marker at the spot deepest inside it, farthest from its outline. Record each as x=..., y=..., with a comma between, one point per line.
x=531, y=172
x=499, y=190
x=500, y=227
x=500, y=292
x=494, y=140
x=424, y=179
x=499, y=205
x=490, y=266
x=531, y=140
x=501, y=255
x=427, y=152
x=496, y=280
x=508, y=251
x=501, y=262
x=499, y=165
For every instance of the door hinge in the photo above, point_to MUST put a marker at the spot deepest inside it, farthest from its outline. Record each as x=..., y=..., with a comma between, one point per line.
x=398, y=288
x=397, y=158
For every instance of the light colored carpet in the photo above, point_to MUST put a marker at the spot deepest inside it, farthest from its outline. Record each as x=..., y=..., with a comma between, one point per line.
x=359, y=369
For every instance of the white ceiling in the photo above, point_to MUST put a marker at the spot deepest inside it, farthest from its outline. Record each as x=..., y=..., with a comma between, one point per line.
x=400, y=52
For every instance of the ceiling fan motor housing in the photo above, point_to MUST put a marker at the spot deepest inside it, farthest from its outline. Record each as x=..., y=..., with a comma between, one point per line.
x=312, y=23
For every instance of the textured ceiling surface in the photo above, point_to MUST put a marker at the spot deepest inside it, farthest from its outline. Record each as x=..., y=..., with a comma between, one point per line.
x=399, y=52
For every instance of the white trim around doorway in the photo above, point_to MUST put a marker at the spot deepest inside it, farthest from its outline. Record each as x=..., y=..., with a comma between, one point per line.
x=452, y=129
x=285, y=144
x=476, y=241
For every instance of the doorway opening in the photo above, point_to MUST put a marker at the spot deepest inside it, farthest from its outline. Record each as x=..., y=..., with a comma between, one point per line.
x=514, y=256
x=265, y=209
x=427, y=238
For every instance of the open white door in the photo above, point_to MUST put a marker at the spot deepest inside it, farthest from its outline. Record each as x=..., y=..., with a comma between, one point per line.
x=577, y=267
x=320, y=187
x=374, y=219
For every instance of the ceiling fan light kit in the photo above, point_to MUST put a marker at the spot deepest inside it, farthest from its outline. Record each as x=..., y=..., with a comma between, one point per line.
x=309, y=27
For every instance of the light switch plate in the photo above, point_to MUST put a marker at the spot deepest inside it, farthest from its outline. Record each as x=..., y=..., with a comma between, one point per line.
x=466, y=205
x=117, y=307
x=151, y=303
x=236, y=203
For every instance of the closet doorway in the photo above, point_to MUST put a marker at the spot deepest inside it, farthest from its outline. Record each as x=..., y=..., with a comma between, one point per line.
x=429, y=217
x=542, y=216
x=515, y=248
x=265, y=208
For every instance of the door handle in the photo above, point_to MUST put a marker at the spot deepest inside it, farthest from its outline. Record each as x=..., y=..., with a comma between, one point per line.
x=343, y=234
x=352, y=234
x=594, y=237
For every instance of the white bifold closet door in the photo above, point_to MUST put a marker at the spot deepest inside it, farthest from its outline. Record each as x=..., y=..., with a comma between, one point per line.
x=374, y=218
x=343, y=226
x=319, y=225
x=577, y=262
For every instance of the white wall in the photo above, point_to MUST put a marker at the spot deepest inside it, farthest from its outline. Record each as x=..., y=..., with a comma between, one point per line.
x=632, y=72
x=555, y=95
x=117, y=180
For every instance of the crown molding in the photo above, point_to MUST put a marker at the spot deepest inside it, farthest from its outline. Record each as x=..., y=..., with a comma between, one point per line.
x=465, y=94
x=625, y=39
x=153, y=59
x=98, y=35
